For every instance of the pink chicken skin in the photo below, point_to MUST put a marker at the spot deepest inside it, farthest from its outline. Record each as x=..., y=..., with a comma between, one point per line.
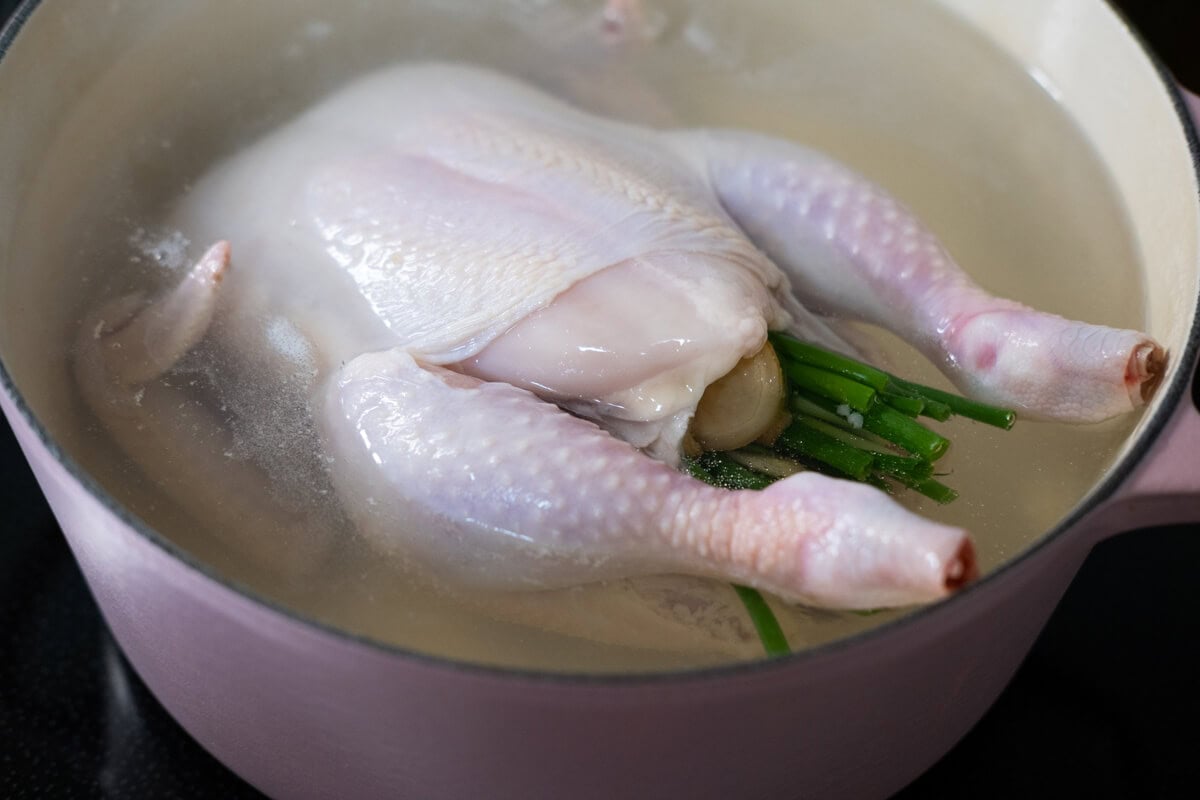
x=507, y=311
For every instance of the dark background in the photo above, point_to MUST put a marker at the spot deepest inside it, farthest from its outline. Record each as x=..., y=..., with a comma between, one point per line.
x=1105, y=706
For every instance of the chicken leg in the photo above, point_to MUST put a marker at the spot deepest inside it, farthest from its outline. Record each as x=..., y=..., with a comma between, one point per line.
x=493, y=486
x=851, y=250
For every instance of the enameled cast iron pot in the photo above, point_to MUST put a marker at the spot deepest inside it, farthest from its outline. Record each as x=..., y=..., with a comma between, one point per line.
x=301, y=710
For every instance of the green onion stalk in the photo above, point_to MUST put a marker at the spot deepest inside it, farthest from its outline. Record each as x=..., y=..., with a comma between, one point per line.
x=850, y=420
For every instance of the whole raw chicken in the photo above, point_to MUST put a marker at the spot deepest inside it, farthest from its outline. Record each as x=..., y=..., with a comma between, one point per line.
x=499, y=314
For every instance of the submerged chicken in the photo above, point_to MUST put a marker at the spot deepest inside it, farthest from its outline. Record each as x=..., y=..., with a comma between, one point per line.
x=501, y=313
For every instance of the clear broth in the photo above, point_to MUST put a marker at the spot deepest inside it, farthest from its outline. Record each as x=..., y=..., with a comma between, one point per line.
x=905, y=93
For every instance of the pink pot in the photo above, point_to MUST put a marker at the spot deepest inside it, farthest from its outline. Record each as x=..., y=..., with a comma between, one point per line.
x=301, y=710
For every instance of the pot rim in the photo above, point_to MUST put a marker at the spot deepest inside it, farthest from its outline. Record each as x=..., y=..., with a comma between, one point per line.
x=1172, y=394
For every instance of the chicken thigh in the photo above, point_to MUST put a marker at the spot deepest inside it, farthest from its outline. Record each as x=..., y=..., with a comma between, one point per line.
x=500, y=314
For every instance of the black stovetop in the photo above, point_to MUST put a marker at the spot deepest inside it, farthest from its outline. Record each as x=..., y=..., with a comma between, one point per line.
x=1105, y=706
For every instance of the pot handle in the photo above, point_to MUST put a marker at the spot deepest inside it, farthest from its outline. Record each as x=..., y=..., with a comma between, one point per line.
x=1165, y=488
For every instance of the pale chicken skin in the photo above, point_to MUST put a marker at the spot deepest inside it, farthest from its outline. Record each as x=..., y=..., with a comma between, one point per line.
x=502, y=312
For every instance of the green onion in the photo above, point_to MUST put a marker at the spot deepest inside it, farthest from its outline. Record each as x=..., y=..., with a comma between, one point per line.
x=879, y=482
x=980, y=412
x=822, y=389
x=905, y=432
x=803, y=353
x=818, y=409
x=723, y=471
x=930, y=408
x=937, y=491
x=911, y=406
x=930, y=487
x=830, y=385
x=845, y=435
x=939, y=405
x=694, y=468
x=936, y=410
x=803, y=440
x=760, y=459
x=769, y=631
x=917, y=469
